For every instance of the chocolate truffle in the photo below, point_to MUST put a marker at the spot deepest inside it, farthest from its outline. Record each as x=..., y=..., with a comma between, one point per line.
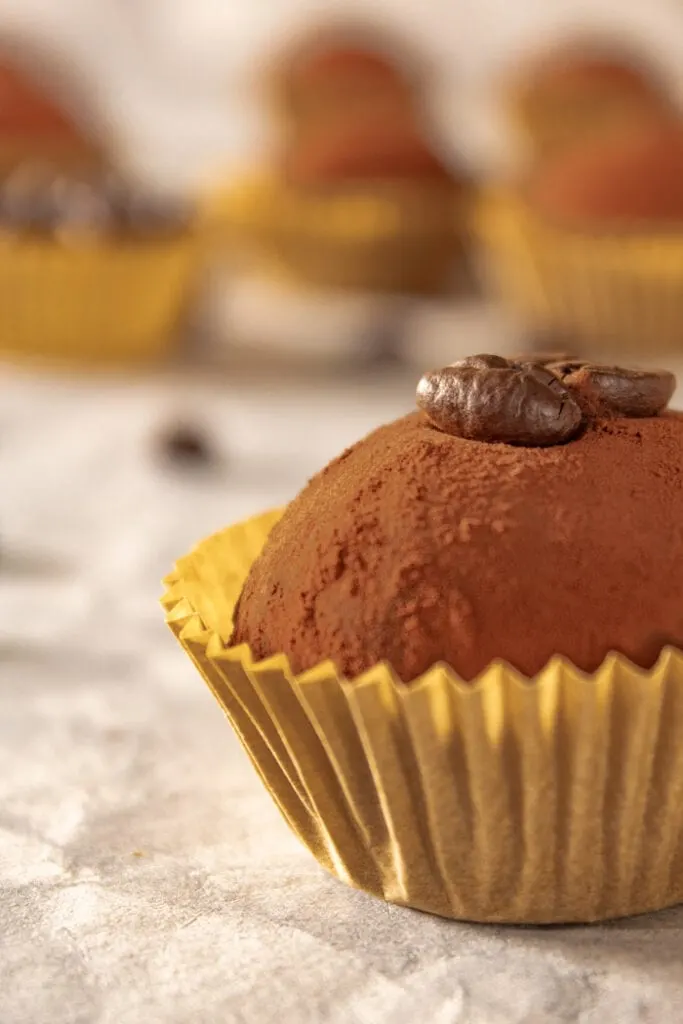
x=357, y=196
x=356, y=116
x=419, y=545
x=572, y=73
x=584, y=89
x=329, y=79
x=33, y=125
x=630, y=180
x=365, y=153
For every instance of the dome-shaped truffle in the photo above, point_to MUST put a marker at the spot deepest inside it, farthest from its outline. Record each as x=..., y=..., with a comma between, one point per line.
x=630, y=179
x=26, y=110
x=366, y=152
x=572, y=73
x=355, y=110
x=36, y=127
x=416, y=547
x=343, y=64
x=584, y=90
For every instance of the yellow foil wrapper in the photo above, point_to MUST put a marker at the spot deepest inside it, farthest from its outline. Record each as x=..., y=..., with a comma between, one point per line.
x=618, y=293
x=556, y=799
x=92, y=301
x=401, y=236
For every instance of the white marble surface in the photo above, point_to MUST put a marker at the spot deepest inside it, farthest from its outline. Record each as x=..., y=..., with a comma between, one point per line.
x=144, y=874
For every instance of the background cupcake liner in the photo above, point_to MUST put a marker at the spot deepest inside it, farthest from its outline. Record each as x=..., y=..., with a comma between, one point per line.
x=92, y=301
x=388, y=237
x=553, y=800
x=615, y=293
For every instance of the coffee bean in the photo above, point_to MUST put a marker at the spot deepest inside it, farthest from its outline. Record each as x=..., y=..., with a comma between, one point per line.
x=508, y=403
x=623, y=392
x=563, y=367
x=80, y=209
x=534, y=402
x=38, y=198
x=545, y=375
x=24, y=199
x=543, y=358
x=187, y=445
x=482, y=362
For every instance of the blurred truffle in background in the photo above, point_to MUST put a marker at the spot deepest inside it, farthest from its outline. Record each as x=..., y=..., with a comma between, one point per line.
x=356, y=195
x=627, y=182
x=353, y=114
x=591, y=244
x=92, y=269
x=34, y=127
x=584, y=87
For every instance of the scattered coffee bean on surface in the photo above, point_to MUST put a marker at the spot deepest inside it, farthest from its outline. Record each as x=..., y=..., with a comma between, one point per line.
x=187, y=445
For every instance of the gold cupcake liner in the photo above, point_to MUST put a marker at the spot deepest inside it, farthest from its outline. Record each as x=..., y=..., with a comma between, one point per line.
x=92, y=302
x=556, y=799
x=384, y=237
x=619, y=293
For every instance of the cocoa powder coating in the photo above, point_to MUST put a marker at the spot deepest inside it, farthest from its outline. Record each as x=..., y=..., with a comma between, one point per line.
x=415, y=546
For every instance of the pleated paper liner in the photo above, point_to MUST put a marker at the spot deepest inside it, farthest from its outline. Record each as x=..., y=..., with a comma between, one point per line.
x=92, y=302
x=556, y=799
x=384, y=237
x=615, y=293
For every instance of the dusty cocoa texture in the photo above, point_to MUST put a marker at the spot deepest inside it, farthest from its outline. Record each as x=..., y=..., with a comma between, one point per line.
x=415, y=546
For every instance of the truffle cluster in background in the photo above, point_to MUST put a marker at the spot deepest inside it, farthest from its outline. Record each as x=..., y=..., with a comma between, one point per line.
x=356, y=194
x=93, y=269
x=587, y=240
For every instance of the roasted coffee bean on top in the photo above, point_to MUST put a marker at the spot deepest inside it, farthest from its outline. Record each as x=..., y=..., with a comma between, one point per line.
x=524, y=402
x=543, y=358
x=489, y=398
x=616, y=390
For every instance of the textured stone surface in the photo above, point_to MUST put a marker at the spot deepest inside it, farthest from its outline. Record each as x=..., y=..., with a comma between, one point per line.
x=144, y=874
